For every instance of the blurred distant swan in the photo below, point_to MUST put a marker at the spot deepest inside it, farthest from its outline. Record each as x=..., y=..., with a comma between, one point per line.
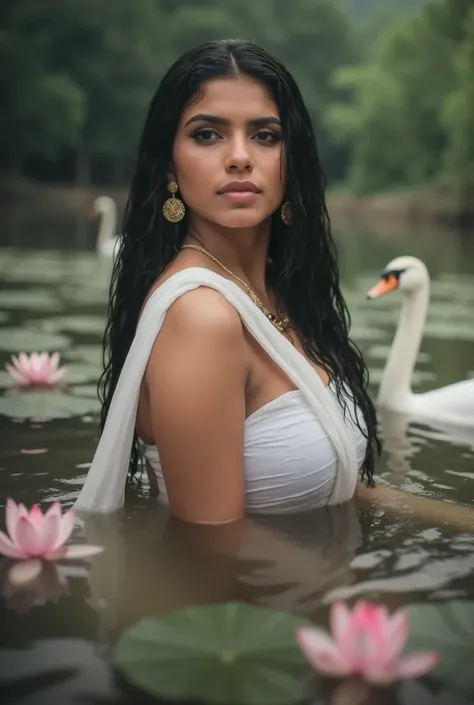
x=107, y=238
x=453, y=404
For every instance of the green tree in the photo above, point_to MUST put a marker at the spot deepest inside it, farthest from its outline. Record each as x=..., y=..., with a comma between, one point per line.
x=393, y=118
x=42, y=107
x=458, y=114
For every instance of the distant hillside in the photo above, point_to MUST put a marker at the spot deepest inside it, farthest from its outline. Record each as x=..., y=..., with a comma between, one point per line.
x=369, y=7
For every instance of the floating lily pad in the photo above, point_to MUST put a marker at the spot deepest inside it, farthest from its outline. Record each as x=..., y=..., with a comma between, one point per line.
x=418, y=377
x=361, y=332
x=91, y=354
x=4, y=316
x=18, y=339
x=449, y=628
x=223, y=654
x=47, y=404
x=449, y=330
x=380, y=352
x=74, y=324
x=85, y=390
x=38, y=299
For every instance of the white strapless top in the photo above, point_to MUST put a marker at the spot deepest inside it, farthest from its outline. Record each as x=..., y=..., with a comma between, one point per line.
x=285, y=442
x=290, y=465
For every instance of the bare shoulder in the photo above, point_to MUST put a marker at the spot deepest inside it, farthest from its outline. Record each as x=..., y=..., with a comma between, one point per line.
x=206, y=310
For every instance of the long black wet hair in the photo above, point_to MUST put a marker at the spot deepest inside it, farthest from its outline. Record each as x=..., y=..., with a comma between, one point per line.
x=304, y=268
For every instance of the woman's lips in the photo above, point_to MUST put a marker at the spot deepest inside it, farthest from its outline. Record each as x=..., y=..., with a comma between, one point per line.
x=240, y=191
x=239, y=196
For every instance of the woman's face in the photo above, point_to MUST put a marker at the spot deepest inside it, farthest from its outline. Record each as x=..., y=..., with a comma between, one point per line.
x=227, y=155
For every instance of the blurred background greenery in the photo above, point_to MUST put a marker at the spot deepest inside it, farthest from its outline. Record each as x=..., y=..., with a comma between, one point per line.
x=389, y=84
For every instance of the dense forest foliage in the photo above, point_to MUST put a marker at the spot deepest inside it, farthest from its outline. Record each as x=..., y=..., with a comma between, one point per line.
x=397, y=110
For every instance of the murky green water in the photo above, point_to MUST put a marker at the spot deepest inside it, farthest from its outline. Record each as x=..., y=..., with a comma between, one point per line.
x=54, y=642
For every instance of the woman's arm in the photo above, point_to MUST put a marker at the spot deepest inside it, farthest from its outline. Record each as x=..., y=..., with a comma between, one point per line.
x=196, y=378
x=432, y=511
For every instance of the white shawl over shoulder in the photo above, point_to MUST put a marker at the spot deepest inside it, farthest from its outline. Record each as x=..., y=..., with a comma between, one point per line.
x=104, y=488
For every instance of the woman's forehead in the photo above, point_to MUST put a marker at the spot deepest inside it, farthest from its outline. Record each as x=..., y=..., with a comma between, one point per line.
x=236, y=99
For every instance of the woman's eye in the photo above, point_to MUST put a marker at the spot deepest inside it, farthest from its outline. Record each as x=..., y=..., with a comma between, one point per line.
x=268, y=136
x=205, y=135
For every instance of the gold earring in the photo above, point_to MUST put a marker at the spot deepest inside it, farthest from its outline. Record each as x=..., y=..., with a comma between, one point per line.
x=173, y=208
x=285, y=213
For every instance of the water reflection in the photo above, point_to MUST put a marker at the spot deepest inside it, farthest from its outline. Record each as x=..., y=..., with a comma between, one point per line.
x=153, y=563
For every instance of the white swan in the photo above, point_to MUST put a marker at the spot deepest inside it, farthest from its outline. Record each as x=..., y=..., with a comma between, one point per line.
x=107, y=238
x=453, y=404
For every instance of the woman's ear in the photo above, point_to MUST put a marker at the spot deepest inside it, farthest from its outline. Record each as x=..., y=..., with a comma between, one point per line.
x=171, y=172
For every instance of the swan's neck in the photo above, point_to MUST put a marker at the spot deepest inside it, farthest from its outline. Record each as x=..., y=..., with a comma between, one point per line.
x=395, y=389
x=108, y=224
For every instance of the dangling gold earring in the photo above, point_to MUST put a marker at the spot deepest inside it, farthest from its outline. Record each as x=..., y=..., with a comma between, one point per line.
x=173, y=208
x=285, y=213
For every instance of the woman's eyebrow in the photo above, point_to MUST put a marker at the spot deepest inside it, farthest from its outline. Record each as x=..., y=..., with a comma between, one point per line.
x=217, y=120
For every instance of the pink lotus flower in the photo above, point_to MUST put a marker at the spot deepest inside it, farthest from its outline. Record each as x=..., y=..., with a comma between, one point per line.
x=36, y=369
x=34, y=536
x=367, y=643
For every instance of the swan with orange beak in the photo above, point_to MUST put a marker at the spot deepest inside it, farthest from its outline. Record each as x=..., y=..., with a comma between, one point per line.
x=453, y=404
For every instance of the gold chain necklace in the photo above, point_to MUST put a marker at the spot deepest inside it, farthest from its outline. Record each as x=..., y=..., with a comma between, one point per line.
x=281, y=324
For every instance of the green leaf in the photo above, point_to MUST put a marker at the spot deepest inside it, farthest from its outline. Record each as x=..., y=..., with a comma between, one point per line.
x=47, y=404
x=38, y=299
x=92, y=354
x=447, y=627
x=16, y=340
x=85, y=390
x=223, y=654
x=75, y=324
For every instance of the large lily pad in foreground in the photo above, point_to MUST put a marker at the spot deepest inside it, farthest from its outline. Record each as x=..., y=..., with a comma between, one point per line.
x=447, y=627
x=225, y=654
x=46, y=404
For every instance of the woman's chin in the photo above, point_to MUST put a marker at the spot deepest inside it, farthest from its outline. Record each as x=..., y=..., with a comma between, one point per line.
x=241, y=219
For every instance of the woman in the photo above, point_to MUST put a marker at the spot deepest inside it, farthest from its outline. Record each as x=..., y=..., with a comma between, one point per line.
x=241, y=385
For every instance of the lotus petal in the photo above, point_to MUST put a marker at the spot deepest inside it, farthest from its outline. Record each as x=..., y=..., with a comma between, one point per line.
x=417, y=664
x=82, y=551
x=322, y=652
x=8, y=549
x=65, y=529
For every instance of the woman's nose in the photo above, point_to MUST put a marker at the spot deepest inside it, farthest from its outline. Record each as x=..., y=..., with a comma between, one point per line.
x=238, y=158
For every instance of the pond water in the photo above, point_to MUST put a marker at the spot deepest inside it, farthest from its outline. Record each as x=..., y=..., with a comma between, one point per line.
x=54, y=641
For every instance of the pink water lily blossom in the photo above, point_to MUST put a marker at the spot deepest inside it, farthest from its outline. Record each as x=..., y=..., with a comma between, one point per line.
x=365, y=643
x=34, y=537
x=36, y=369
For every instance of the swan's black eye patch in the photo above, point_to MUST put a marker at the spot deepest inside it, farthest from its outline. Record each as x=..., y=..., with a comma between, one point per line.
x=391, y=273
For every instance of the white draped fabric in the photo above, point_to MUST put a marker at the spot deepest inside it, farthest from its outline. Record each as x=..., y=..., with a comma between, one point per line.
x=104, y=488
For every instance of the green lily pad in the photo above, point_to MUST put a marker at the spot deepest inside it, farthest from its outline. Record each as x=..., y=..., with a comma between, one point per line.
x=15, y=340
x=362, y=332
x=74, y=324
x=447, y=627
x=92, y=354
x=38, y=299
x=418, y=377
x=46, y=404
x=222, y=654
x=85, y=390
x=449, y=330
x=4, y=316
